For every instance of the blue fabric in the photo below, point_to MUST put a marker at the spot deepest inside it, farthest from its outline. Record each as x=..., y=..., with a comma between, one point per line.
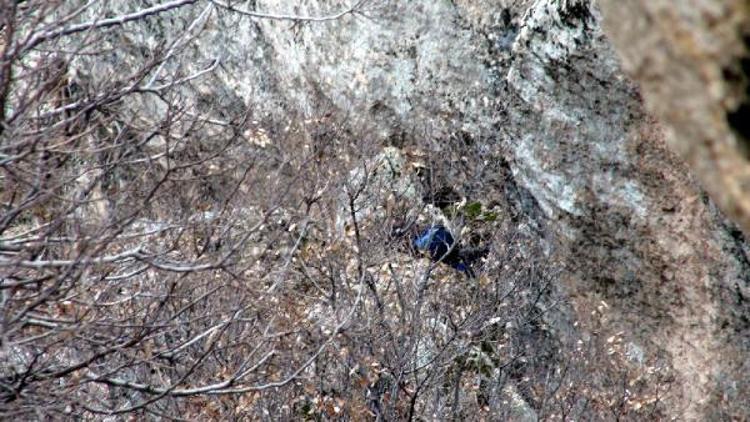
x=437, y=240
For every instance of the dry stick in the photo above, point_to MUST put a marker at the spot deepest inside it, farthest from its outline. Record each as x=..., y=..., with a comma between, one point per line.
x=223, y=386
x=296, y=18
x=177, y=43
x=104, y=23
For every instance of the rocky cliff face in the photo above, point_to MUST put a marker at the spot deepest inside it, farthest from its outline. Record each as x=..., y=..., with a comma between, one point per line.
x=642, y=237
x=652, y=271
x=692, y=63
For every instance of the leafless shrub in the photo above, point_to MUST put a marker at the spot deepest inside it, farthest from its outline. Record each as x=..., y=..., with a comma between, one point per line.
x=140, y=237
x=163, y=257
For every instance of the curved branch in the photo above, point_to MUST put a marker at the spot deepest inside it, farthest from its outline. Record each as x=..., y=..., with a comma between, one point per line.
x=296, y=18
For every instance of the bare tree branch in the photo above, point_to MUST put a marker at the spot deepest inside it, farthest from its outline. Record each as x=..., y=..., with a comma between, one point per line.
x=37, y=39
x=296, y=18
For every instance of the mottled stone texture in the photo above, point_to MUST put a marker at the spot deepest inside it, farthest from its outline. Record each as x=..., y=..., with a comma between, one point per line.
x=692, y=61
x=641, y=235
x=540, y=85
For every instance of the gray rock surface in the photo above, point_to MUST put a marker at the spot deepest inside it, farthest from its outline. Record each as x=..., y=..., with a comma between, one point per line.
x=536, y=85
x=691, y=61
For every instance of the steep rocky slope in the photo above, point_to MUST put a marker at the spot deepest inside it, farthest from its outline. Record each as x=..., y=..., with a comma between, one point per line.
x=539, y=85
x=523, y=108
